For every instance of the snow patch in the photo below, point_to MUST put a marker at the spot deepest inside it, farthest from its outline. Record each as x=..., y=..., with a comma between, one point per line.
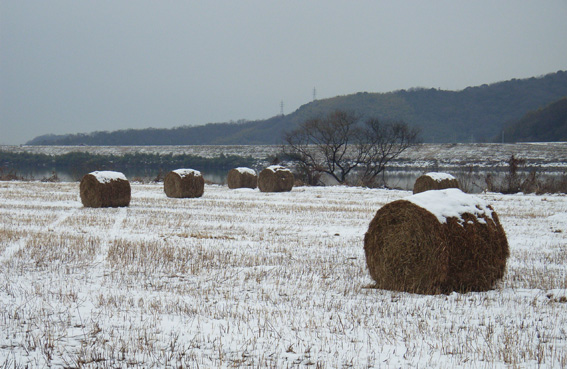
x=561, y=217
x=451, y=203
x=185, y=172
x=439, y=176
x=275, y=168
x=106, y=176
x=244, y=170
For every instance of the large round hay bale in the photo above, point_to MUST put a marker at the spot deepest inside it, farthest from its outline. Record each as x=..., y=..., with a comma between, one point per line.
x=184, y=183
x=275, y=178
x=242, y=178
x=105, y=189
x=435, y=181
x=436, y=242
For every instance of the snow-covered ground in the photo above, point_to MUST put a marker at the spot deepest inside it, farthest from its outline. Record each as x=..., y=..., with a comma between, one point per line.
x=551, y=155
x=240, y=278
x=207, y=151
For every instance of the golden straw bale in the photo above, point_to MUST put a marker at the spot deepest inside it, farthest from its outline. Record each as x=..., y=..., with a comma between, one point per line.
x=184, y=183
x=436, y=242
x=435, y=181
x=275, y=178
x=241, y=178
x=105, y=189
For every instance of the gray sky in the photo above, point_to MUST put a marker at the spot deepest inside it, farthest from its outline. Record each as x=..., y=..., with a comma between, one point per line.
x=79, y=66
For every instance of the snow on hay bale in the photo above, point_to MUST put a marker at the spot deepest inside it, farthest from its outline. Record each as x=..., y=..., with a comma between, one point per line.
x=436, y=242
x=105, y=189
x=275, y=178
x=242, y=178
x=184, y=183
x=435, y=181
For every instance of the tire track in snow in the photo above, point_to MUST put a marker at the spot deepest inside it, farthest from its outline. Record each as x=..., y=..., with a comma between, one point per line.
x=118, y=222
x=113, y=233
x=62, y=218
x=16, y=246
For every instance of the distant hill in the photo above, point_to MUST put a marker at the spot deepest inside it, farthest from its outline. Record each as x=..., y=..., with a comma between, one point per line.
x=474, y=114
x=548, y=124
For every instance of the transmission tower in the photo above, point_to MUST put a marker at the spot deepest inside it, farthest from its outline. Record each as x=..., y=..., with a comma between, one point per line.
x=281, y=108
x=314, y=94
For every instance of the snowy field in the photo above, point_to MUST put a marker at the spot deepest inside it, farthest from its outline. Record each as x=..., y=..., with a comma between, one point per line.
x=547, y=155
x=240, y=278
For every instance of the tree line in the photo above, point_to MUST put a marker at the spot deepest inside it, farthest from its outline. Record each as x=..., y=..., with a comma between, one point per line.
x=82, y=162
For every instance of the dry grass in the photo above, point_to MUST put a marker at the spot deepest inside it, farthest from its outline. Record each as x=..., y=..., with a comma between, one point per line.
x=427, y=183
x=189, y=185
x=241, y=179
x=114, y=192
x=53, y=251
x=408, y=249
x=275, y=179
x=249, y=279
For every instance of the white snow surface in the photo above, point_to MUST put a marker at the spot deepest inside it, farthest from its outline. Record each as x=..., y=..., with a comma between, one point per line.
x=106, y=176
x=451, y=203
x=185, y=172
x=483, y=155
x=245, y=170
x=245, y=279
x=275, y=168
x=439, y=176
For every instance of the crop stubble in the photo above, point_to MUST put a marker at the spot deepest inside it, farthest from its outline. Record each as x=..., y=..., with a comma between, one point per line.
x=243, y=278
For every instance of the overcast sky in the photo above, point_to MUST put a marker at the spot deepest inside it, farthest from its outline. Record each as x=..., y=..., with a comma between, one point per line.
x=80, y=66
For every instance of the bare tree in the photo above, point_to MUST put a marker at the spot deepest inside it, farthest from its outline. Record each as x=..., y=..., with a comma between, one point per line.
x=381, y=143
x=323, y=145
x=339, y=143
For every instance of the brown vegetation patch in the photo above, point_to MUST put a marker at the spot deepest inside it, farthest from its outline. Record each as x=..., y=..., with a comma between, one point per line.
x=241, y=178
x=275, y=179
x=408, y=249
x=184, y=184
x=427, y=183
x=113, y=192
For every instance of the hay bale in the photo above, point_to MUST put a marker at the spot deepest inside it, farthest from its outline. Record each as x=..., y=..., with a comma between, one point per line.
x=105, y=189
x=275, y=178
x=241, y=178
x=435, y=181
x=436, y=242
x=184, y=183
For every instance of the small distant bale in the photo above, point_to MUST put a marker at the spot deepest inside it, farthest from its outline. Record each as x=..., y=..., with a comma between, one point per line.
x=436, y=242
x=103, y=189
x=184, y=183
x=275, y=178
x=242, y=178
x=435, y=181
